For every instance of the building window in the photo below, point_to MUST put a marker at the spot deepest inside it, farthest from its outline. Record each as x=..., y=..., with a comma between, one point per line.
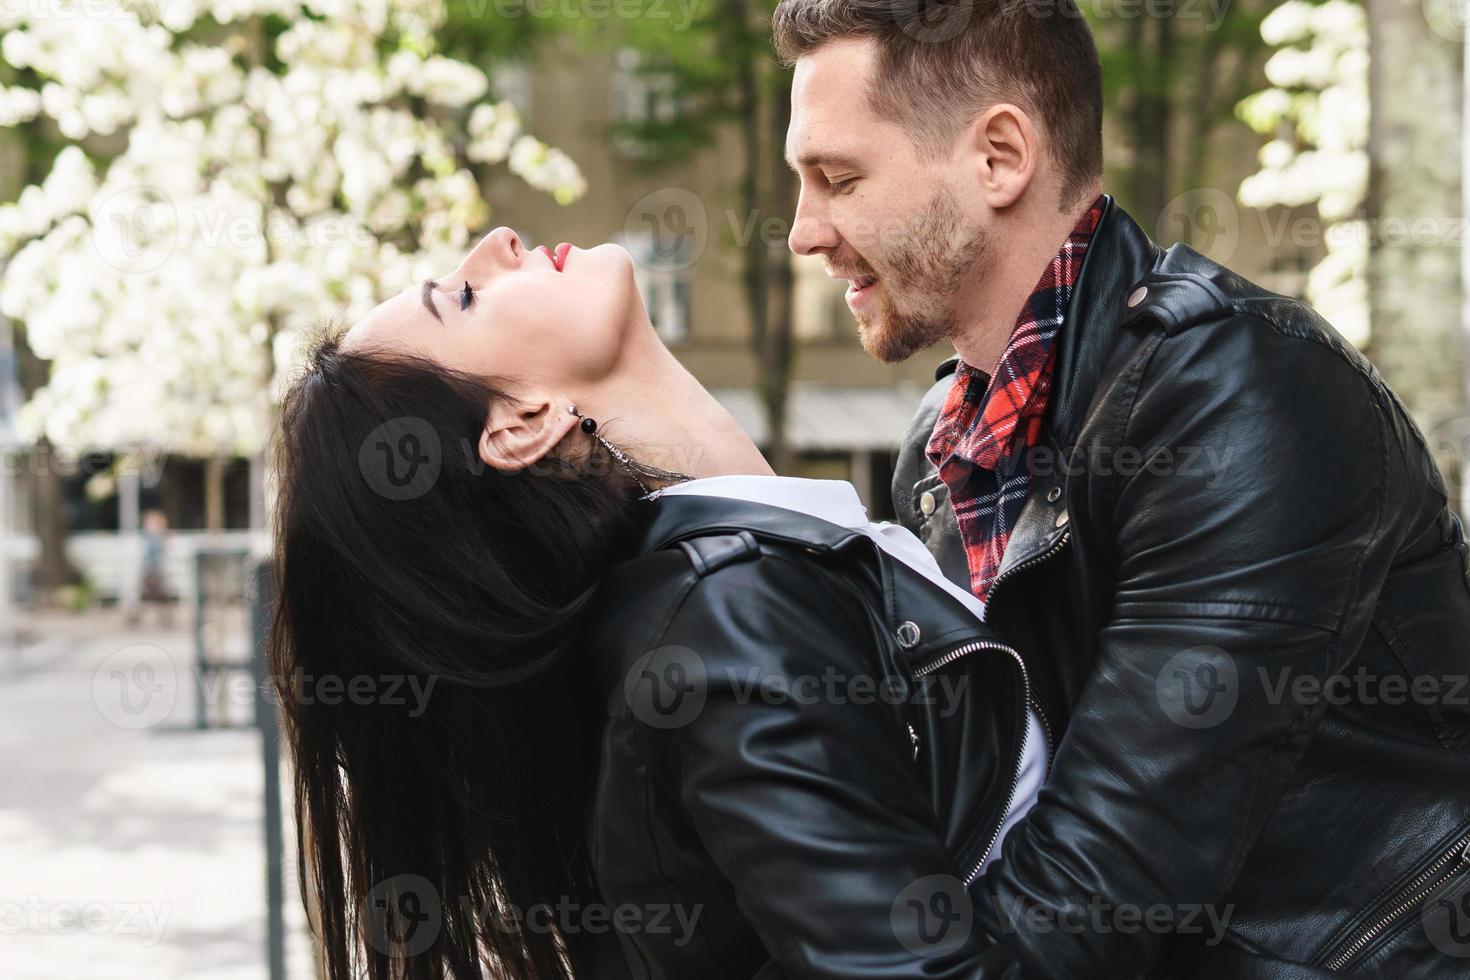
x=642, y=96
x=512, y=80
x=662, y=269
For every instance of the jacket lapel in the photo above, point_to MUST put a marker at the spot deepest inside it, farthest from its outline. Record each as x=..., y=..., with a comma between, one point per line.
x=1119, y=255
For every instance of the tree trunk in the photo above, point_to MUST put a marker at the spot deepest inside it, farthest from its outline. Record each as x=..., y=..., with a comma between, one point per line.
x=765, y=186
x=1413, y=211
x=214, y=494
x=776, y=366
x=53, y=567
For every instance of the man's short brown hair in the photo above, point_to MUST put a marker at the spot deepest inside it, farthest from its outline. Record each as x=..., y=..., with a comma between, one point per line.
x=942, y=62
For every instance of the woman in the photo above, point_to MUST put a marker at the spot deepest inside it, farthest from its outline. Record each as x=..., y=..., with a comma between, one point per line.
x=677, y=716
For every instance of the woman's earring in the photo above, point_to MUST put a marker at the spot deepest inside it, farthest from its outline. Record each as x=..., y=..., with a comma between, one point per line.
x=635, y=469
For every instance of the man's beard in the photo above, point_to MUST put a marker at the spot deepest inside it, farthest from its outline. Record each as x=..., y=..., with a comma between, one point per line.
x=929, y=270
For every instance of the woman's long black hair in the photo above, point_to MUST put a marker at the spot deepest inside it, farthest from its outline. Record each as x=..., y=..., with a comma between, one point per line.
x=423, y=646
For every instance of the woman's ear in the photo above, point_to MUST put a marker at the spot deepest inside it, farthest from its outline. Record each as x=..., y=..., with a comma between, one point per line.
x=520, y=433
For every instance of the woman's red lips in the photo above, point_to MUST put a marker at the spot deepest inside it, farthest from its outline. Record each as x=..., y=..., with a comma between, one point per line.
x=559, y=257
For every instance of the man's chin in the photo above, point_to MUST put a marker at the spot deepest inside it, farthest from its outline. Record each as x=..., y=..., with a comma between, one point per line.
x=892, y=346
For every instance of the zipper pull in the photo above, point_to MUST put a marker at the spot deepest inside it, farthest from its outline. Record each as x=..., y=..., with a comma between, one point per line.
x=914, y=737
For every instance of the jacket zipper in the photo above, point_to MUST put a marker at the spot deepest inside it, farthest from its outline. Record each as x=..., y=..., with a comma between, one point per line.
x=1061, y=542
x=949, y=658
x=1411, y=895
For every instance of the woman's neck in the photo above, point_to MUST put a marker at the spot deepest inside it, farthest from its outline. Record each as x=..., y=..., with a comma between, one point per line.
x=659, y=414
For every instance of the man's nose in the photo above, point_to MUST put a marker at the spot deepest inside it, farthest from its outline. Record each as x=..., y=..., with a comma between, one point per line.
x=811, y=232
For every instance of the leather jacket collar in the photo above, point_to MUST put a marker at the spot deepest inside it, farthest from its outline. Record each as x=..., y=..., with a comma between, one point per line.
x=925, y=621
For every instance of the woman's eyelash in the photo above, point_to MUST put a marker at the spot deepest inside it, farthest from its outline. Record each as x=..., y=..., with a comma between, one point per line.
x=465, y=295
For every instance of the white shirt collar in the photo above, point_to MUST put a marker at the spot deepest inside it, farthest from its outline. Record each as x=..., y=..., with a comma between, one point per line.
x=834, y=501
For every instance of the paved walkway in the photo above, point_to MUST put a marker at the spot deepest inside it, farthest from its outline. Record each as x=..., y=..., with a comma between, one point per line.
x=131, y=844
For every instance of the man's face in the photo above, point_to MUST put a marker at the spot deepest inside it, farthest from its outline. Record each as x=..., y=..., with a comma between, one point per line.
x=901, y=228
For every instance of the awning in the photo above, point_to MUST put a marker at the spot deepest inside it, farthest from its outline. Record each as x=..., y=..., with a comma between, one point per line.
x=829, y=418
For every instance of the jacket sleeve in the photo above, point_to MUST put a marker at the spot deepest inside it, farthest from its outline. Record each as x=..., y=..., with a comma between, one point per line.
x=1250, y=540
x=801, y=784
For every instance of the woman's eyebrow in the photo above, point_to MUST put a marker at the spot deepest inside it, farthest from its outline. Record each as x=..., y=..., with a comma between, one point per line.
x=427, y=295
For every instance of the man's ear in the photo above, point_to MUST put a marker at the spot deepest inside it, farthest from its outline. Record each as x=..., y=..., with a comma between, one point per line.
x=520, y=433
x=1008, y=148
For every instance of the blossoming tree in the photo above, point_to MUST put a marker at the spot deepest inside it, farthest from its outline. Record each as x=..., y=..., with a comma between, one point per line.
x=233, y=172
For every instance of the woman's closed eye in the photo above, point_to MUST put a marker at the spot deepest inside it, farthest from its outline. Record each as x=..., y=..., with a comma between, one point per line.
x=466, y=295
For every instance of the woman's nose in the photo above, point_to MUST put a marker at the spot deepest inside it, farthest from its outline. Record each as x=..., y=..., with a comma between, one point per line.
x=500, y=250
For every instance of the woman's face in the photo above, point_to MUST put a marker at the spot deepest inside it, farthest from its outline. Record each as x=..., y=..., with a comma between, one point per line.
x=542, y=318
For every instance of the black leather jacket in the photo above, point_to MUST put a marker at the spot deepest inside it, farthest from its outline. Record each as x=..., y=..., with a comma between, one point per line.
x=1235, y=510
x=808, y=751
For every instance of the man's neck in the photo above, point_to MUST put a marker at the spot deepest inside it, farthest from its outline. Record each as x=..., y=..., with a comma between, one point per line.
x=1019, y=254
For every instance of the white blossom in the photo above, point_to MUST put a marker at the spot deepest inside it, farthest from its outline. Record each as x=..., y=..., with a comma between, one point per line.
x=1316, y=115
x=170, y=285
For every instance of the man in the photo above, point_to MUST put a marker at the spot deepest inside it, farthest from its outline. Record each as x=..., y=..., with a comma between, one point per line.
x=1212, y=531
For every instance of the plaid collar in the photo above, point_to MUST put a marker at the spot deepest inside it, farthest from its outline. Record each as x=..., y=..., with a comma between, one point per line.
x=1014, y=400
x=989, y=424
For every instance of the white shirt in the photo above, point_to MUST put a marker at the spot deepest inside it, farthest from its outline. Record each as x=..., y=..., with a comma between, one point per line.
x=837, y=502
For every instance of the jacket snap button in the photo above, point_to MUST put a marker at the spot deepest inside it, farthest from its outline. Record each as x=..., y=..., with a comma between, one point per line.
x=926, y=503
x=1062, y=519
x=1136, y=297
x=907, y=634
x=1053, y=495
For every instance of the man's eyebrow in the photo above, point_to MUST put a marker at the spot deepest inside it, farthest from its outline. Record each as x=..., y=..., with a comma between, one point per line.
x=427, y=296
x=814, y=160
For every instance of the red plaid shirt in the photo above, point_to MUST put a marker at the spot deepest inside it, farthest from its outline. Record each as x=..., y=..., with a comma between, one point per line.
x=988, y=426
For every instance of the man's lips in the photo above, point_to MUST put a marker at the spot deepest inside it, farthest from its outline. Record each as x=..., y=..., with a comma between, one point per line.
x=559, y=257
x=856, y=280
